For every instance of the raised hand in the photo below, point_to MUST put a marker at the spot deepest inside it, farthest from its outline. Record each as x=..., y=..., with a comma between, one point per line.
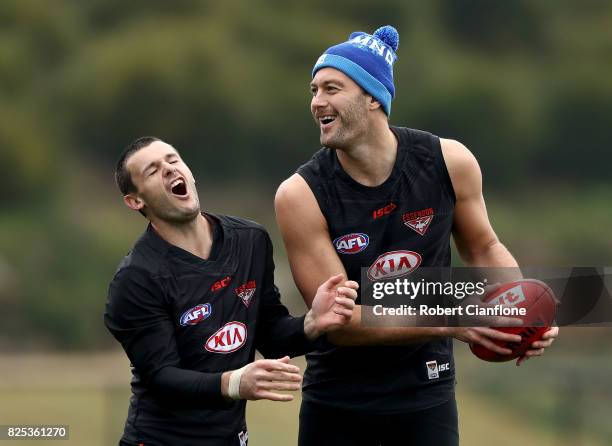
x=332, y=306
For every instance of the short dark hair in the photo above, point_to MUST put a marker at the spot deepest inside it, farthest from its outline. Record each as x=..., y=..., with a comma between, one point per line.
x=123, y=178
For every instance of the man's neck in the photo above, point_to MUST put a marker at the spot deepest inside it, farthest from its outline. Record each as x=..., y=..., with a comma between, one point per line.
x=194, y=236
x=371, y=160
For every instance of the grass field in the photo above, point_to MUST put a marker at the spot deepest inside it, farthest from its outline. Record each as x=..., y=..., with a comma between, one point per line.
x=89, y=392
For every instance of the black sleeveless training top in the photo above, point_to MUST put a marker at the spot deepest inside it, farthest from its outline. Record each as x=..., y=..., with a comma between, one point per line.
x=412, y=211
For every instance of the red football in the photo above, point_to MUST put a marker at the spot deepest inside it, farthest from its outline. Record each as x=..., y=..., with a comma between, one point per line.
x=539, y=301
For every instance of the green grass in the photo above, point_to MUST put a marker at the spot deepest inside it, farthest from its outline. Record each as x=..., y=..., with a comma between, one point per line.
x=90, y=393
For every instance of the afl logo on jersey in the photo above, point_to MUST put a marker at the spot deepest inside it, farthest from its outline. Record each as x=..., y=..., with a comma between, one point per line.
x=352, y=243
x=394, y=264
x=196, y=315
x=228, y=338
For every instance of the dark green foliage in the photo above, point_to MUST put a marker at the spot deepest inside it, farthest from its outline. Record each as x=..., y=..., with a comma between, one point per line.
x=525, y=85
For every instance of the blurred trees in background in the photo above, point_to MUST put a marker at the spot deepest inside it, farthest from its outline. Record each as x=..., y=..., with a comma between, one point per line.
x=526, y=85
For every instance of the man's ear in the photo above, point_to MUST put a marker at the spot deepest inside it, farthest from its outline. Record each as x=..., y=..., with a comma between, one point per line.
x=134, y=202
x=373, y=104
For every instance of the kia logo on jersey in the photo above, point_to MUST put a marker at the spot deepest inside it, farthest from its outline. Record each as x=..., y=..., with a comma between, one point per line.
x=228, y=338
x=352, y=243
x=394, y=264
x=195, y=315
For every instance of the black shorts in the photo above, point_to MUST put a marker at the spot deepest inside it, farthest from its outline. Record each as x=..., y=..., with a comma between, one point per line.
x=324, y=425
x=238, y=439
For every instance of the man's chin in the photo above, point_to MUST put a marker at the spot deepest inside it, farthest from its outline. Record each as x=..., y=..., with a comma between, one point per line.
x=180, y=216
x=331, y=143
x=327, y=141
x=190, y=214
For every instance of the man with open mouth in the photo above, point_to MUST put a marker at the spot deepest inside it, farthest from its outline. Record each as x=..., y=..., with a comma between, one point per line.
x=385, y=199
x=191, y=303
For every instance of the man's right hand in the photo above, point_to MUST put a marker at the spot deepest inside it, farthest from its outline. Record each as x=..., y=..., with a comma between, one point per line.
x=486, y=336
x=483, y=336
x=260, y=379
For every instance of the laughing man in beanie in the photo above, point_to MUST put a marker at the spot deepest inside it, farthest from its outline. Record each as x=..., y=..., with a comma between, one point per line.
x=371, y=180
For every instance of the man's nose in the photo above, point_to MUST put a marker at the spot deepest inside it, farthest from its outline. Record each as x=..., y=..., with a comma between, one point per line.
x=169, y=169
x=318, y=100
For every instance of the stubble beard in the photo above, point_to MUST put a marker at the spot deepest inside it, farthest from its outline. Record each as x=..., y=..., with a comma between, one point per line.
x=351, y=125
x=163, y=210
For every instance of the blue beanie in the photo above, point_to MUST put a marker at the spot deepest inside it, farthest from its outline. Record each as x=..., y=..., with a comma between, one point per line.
x=368, y=60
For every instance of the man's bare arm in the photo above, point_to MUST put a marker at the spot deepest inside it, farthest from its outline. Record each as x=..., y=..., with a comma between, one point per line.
x=313, y=259
x=476, y=241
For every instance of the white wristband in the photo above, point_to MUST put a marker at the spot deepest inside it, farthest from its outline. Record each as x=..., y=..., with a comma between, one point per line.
x=233, y=390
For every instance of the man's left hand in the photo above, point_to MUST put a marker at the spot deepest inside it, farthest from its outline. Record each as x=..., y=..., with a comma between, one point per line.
x=332, y=306
x=538, y=347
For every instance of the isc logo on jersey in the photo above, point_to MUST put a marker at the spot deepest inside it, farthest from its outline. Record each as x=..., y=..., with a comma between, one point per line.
x=220, y=284
x=352, y=243
x=394, y=264
x=228, y=338
x=196, y=315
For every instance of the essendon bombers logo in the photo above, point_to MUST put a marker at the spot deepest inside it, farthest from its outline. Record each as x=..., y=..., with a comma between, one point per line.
x=419, y=221
x=351, y=243
x=246, y=291
x=228, y=338
x=394, y=264
x=432, y=369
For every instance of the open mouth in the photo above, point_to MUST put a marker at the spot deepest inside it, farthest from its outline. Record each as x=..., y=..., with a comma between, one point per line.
x=178, y=187
x=327, y=119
